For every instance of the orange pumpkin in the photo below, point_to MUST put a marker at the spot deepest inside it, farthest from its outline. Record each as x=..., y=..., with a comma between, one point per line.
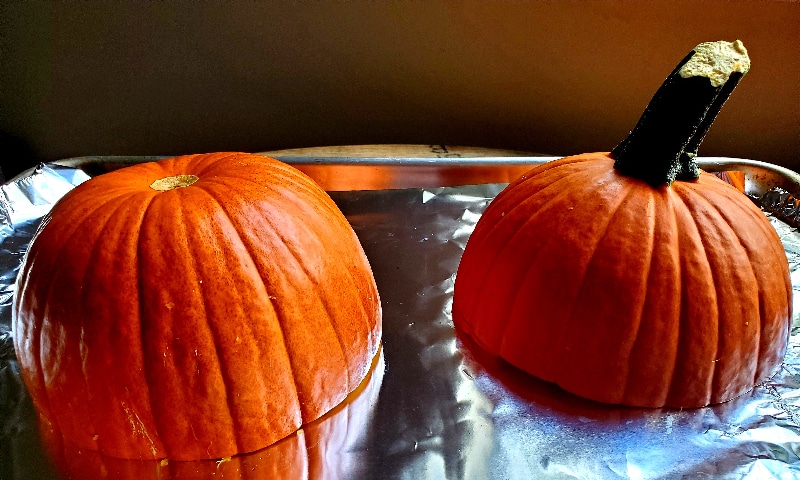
x=630, y=277
x=196, y=307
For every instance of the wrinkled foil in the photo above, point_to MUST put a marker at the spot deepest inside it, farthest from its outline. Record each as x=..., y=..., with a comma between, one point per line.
x=440, y=409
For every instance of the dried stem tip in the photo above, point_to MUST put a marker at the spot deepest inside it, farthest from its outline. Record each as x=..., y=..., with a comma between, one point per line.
x=717, y=61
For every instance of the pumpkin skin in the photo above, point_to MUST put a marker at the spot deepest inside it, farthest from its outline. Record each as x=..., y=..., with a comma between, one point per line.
x=322, y=449
x=197, y=322
x=626, y=293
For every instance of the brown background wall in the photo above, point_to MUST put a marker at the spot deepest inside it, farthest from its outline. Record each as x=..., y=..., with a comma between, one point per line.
x=136, y=78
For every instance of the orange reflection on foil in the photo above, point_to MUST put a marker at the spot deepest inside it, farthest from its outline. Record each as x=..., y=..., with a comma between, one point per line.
x=348, y=177
x=340, y=177
x=323, y=449
x=736, y=179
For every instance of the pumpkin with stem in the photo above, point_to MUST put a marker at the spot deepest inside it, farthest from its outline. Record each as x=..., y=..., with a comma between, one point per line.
x=632, y=277
x=197, y=307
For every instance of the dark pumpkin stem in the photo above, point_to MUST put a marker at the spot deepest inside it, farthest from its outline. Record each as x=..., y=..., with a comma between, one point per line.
x=663, y=145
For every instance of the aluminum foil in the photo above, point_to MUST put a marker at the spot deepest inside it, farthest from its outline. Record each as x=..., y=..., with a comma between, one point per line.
x=438, y=409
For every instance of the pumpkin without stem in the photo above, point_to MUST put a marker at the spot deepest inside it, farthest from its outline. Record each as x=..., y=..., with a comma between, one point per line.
x=631, y=277
x=192, y=308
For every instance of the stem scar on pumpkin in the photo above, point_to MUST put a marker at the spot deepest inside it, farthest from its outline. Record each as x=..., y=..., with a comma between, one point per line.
x=663, y=145
x=173, y=182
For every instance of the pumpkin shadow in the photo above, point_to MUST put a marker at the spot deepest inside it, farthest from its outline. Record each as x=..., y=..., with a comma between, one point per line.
x=326, y=448
x=549, y=399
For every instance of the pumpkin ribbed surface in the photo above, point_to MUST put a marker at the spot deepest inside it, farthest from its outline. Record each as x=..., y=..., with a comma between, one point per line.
x=625, y=293
x=195, y=322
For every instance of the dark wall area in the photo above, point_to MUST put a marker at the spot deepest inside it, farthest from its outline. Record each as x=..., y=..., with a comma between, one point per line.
x=162, y=78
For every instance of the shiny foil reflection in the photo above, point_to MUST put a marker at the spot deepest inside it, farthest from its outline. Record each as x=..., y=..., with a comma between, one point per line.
x=455, y=413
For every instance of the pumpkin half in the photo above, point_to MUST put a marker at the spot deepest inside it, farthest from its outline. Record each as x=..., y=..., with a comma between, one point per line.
x=196, y=307
x=631, y=277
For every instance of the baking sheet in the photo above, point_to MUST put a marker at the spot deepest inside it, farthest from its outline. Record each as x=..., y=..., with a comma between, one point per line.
x=436, y=408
